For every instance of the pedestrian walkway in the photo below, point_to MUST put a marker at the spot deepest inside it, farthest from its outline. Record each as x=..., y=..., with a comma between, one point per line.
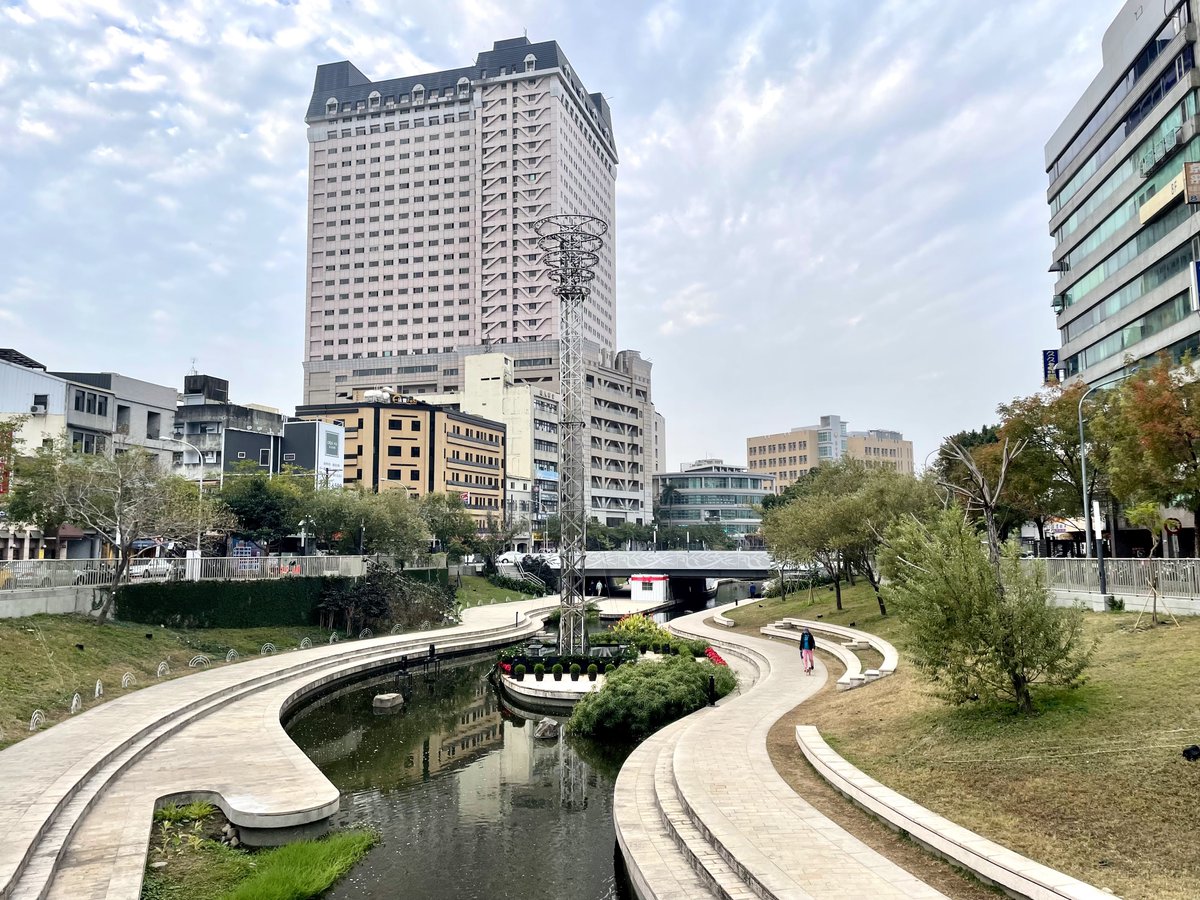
x=76, y=800
x=736, y=826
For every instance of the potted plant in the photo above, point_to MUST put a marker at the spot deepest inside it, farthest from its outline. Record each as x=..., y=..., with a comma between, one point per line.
x=575, y=671
x=539, y=671
x=593, y=672
x=557, y=670
x=519, y=672
x=609, y=669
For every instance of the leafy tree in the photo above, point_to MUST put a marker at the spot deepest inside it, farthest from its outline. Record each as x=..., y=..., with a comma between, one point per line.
x=126, y=498
x=448, y=521
x=974, y=629
x=1153, y=422
x=495, y=538
x=267, y=509
x=980, y=487
x=387, y=522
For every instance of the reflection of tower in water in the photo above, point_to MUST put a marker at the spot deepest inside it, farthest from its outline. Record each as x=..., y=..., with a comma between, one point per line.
x=572, y=776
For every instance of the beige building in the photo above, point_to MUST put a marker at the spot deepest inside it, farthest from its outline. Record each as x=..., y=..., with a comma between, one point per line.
x=423, y=193
x=789, y=454
x=394, y=444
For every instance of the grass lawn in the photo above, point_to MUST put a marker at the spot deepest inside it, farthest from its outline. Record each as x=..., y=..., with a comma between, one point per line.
x=42, y=666
x=187, y=861
x=1094, y=784
x=478, y=591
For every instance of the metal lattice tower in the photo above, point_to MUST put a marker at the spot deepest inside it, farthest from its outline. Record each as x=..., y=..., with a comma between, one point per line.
x=571, y=245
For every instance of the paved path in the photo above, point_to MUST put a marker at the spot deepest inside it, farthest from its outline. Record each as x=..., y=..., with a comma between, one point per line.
x=736, y=825
x=76, y=800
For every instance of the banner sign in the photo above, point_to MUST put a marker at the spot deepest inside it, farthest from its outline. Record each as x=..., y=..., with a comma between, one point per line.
x=1191, y=181
x=1049, y=367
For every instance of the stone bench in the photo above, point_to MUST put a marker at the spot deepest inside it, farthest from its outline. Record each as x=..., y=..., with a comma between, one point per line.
x=859, y=640
x=724, y=622
x=1015, y=874
x=853, y=676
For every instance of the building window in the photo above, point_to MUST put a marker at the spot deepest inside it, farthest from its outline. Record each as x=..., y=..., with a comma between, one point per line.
x=264, y=456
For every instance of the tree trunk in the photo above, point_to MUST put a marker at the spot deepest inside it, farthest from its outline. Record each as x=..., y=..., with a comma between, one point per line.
x=1021, y=692
x=874, y=580
x=837, y=589
x=106, y=606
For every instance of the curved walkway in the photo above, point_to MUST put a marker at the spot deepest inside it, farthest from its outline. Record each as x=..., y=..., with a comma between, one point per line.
x=76, y=800
x=701, y=811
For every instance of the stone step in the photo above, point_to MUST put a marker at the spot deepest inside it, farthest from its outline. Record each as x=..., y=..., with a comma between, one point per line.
x=656, y=866
x=702, y=856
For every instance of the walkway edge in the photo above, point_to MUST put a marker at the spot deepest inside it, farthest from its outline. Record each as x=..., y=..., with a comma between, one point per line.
x=992, y=863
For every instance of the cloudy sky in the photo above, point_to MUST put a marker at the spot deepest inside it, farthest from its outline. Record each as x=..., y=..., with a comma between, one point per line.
x=823, y=207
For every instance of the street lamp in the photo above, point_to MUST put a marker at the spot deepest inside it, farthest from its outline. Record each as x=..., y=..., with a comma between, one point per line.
x=1087, y=499
x=200, y=486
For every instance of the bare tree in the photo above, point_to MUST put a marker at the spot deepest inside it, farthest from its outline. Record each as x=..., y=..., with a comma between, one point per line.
x=981, y=491
x=127, y=498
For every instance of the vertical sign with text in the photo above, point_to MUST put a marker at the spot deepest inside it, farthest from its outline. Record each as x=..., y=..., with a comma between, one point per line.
x=1049, y=367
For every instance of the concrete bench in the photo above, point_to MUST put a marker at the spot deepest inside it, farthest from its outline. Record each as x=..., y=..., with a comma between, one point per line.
x=723, y=622
x=858, y=639
x=853, y=676
x=992, y=863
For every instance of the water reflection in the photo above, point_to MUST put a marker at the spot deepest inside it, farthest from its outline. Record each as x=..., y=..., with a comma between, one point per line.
x=469, y=804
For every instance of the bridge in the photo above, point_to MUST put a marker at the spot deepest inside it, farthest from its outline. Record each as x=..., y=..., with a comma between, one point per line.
x=750, y=564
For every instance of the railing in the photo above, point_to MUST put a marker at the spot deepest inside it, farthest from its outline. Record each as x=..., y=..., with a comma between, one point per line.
x=1178, y=578
x=32, y=574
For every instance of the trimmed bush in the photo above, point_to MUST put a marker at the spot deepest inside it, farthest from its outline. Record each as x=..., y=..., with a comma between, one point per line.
x=593, y=671
x=609, y=669
x=519, y=672
x=638, y=700
x=539, y=671
x=575, y=671
x=226, y=604
x=557, y=670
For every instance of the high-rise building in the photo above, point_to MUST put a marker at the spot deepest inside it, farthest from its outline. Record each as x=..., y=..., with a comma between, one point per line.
x=422, y=198
x=1124, y=232
x=790, y=454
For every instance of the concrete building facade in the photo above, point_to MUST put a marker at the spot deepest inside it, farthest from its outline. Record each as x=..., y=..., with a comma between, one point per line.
x=710, y=492
x=1124, y=231
x=422, y=197
x=788, y=455
x=397, y=444
x=144, y=413
x=621, y=412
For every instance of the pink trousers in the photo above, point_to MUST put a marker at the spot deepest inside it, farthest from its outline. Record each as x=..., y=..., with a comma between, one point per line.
x=807, y=656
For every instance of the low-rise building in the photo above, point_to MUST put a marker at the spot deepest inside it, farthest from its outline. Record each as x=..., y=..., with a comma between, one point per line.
x=144, y=413
x=709, y=492
x=395, y=442
x=788, y=455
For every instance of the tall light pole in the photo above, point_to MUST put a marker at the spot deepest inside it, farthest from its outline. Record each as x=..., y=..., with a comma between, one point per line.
x=200, y=486
x=1087, y=499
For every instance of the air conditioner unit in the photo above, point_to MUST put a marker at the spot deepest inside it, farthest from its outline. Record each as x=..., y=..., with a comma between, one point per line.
x=37, y=409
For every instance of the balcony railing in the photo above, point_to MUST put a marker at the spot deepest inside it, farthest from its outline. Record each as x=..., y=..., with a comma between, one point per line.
x=31, y=574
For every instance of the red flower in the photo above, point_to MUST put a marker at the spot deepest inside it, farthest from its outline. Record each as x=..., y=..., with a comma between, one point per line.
x=505, y=668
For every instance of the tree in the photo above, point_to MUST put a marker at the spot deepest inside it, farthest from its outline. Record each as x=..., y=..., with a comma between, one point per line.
x=267, y=509
x=448, y=521
x=495, y=538
x=974, y=629
x=348, y=519
x=980, y=486
x=1154, y=425
x=1149, y=515
x=126, y=498
x=802, y=532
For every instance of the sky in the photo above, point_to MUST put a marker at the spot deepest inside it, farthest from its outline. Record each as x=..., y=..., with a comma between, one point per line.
x=822, y=207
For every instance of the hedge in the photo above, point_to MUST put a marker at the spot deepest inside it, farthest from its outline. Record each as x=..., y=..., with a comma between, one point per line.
x=226, y=604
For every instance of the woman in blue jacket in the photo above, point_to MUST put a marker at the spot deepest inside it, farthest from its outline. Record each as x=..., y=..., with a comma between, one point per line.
x=807, y=644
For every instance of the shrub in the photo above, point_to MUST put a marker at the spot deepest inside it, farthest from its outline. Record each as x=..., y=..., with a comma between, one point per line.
x=697, y=648
x=226, y=604
x=575, y=671
x=638, y=700
x=539, y=671
x=1114, y=604
x=557, y=670
x=593, y=671
x=609, y=668
x=641, y=631
x=519, y=672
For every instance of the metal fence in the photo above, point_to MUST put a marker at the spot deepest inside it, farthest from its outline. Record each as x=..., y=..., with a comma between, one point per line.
x=1176, y=578
x=26, y=574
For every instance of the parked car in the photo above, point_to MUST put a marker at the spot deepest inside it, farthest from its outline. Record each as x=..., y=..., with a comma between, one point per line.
x=35, y=573
x=159, y=567
x=94, y=573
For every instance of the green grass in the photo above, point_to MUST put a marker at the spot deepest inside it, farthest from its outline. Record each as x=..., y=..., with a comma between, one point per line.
x=478, y=591
x=41, y=667
x=208, y=870
x=1093, y=784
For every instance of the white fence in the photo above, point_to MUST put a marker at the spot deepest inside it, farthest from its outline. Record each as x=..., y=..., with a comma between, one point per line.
x=1176, y=578
x=29, y=574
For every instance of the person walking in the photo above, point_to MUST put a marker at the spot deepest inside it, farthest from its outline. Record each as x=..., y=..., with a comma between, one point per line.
x=807, y=644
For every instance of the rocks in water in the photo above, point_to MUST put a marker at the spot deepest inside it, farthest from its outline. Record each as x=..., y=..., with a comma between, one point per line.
x=546, y=729
x=387, y=702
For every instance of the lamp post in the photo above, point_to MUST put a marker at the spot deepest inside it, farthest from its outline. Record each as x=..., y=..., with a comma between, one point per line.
x=656, y=537
x=1087, y=499
x=200, y=486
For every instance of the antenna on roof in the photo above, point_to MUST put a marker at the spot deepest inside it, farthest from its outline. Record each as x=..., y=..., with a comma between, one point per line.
x=525, y=31
x=193, y=372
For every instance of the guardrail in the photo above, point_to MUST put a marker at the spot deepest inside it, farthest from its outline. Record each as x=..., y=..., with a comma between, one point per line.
x=1176, y=578
x=29, y=574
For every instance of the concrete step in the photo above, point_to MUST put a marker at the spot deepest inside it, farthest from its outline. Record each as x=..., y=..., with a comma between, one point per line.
x=714, y=871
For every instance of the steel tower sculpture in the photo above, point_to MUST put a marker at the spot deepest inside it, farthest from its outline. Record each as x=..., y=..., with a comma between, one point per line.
x=571, y=249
